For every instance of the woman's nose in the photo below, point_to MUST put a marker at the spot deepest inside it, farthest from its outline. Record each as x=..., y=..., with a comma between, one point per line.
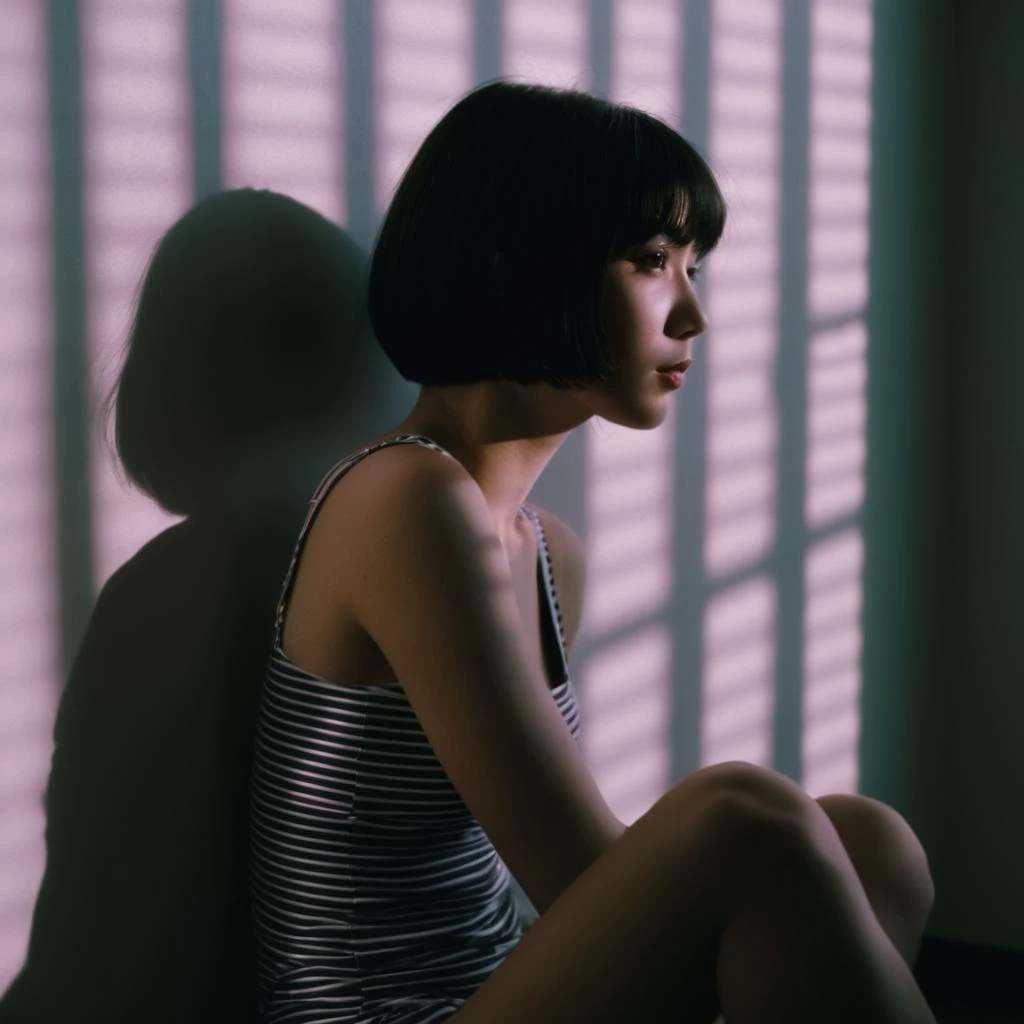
x=688, y=319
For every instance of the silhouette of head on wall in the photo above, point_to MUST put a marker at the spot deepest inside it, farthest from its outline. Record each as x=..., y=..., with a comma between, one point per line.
x=250, y=328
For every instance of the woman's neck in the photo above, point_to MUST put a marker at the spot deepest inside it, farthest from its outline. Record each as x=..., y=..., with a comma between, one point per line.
x=504, y=434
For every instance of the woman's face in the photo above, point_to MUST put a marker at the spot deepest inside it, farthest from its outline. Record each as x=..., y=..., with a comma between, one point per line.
x=651, y=314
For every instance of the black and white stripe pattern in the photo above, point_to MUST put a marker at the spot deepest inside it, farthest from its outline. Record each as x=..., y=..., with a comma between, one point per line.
x=378, y=899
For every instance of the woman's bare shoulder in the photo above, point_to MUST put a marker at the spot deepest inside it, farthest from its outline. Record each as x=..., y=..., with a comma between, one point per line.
x=384, y=473
x=349, y=555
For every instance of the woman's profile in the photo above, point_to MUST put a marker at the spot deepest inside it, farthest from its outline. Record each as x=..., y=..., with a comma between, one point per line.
x=249, y=370
x=416, y=742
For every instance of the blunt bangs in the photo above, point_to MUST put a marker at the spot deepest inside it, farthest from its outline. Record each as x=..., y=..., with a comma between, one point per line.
x=491, y=258
x=661, y=185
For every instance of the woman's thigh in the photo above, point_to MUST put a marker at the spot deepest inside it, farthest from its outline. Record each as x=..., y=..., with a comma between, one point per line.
x=636, y=936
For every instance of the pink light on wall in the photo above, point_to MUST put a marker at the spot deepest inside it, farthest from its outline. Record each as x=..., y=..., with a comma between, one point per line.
x=647, y=39
x=832, y=649
x=423, y=66
x=837, y=420
x=625, y=690
x=137, y=183
x=739, y=651
x=743, y=285
x=283, y=100
x=742, y=438
x=837, y=292
x=546, y=43
x=29, y=641
x=625, y=682
x=629, y=524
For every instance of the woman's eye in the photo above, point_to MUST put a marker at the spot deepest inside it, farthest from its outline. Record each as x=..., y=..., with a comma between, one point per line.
x=694, y=273
x=657, y=260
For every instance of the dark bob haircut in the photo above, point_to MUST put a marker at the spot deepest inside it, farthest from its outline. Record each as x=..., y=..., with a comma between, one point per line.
x=490, y=260
x=250, y=326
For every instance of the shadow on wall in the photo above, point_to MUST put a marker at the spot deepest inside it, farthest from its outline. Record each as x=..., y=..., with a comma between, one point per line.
x=251, y=370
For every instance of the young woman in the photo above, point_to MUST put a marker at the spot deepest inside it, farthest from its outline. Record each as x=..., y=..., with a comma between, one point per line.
x=416, y=740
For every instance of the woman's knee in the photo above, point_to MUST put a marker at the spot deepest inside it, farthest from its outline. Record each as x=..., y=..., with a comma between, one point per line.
x=749, y=820
x=747, y=795
x=886, y=852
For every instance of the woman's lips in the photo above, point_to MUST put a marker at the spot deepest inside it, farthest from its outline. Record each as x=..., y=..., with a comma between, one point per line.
x=681, y=367
x=675, y=377
x=675, y=372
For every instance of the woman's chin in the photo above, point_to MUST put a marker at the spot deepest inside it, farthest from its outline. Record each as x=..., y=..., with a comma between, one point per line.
x=646, y=416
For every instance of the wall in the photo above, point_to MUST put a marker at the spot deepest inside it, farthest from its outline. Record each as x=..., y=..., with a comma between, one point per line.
x=980, y=259
x=944, y=705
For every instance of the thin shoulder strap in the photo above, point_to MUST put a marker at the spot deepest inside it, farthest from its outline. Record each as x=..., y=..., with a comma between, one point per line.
x=332, y=477
x=546, y=582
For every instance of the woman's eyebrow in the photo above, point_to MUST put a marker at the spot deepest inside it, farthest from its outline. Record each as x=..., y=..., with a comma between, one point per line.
x=676, y=237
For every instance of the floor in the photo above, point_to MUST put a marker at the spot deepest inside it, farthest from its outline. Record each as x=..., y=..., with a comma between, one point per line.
x=967, y=984
x=960, y=1014
x=966, y=1015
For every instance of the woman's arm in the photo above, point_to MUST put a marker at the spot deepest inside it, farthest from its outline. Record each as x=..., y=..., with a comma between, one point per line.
x=430, y=582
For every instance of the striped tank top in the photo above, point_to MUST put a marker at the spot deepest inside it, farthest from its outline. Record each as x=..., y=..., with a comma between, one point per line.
x=377, y=897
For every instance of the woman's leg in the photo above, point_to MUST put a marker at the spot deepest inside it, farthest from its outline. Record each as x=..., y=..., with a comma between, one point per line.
x=733, y=894
x=891, y=864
